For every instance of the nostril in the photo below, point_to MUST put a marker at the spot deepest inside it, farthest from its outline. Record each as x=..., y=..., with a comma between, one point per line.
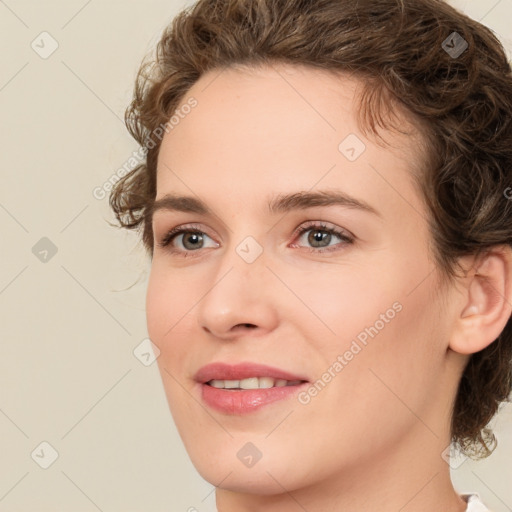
x=246, y=325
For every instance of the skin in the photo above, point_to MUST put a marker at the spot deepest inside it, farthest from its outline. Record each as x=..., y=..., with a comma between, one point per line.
x=372, y=438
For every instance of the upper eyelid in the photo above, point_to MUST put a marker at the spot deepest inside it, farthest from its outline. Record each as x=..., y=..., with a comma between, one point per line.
x=319, y=224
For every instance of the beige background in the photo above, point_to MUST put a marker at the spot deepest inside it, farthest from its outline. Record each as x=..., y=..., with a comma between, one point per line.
x=69, y=326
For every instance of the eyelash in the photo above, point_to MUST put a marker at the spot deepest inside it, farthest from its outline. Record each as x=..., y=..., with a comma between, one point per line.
x=312, y=226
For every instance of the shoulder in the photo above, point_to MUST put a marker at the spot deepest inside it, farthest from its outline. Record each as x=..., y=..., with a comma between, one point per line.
x=474, y=503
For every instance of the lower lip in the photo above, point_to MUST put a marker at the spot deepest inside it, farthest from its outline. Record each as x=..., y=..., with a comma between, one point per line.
x=246, y=400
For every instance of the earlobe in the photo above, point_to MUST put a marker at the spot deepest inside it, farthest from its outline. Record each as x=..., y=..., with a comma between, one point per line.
x=487, y=302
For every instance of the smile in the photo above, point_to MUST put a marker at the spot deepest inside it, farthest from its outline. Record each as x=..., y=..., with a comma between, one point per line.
x=245, y=387
x=253, y=383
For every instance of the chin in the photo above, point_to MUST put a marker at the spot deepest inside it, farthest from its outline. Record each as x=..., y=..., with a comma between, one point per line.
x=262, y=481
x=230, y=467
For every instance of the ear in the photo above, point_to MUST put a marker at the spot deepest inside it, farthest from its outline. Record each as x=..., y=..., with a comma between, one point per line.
x=486, y=301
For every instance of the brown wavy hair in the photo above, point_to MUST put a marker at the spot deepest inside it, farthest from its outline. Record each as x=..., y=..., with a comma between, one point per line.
x=401, y=51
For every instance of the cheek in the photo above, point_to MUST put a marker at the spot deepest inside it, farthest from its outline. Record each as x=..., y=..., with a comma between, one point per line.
x=168, y=299
x=157, y=302
x=338, y=302
x=391, y=355
x=381, y=323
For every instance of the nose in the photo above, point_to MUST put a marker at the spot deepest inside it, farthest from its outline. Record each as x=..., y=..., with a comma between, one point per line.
x=239, y=299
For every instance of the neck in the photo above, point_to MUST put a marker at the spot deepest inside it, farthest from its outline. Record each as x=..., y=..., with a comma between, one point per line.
x=389, y=481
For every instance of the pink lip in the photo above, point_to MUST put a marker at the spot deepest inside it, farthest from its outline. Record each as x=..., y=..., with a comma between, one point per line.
x=224, y=371
x=247, y=400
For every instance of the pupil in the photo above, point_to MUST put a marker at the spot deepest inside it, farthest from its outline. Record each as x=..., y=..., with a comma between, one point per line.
x=317, y=237
x=194, y=245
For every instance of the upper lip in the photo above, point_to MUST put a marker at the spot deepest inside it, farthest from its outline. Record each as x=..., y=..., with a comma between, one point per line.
x=225, y=371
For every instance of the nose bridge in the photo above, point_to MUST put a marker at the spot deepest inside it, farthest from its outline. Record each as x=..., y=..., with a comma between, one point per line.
x=239, y=291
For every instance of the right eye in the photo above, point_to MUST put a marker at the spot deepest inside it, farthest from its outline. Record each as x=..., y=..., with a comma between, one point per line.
x=185, y=239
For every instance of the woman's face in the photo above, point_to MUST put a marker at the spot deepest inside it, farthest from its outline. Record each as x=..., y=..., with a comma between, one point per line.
x=339, y=325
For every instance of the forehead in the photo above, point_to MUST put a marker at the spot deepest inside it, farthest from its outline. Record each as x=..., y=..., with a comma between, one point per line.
x=271, y=127
x=265, y=100
x=323, y=91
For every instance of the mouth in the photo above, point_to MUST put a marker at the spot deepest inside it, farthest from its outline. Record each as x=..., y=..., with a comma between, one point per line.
x=253, y=383
x=246, y=387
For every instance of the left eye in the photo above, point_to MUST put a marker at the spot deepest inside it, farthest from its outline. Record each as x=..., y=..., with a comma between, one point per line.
x=320, y=236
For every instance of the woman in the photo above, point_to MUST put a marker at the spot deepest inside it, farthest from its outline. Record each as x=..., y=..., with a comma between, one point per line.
x=324, y=202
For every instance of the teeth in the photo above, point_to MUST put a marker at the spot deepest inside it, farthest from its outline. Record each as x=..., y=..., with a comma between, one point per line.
x=253, y=383
x=266, y=382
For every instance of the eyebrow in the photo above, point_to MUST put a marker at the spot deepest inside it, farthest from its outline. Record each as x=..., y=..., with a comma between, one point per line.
x=281, y=203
